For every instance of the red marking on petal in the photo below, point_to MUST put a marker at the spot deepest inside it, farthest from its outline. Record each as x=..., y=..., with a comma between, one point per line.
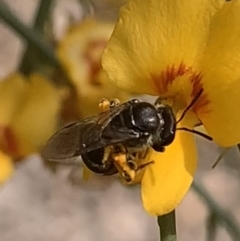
x=8, y=142
x=171, y=73
x=197, y=85
x=168, y=76
x=94, y=64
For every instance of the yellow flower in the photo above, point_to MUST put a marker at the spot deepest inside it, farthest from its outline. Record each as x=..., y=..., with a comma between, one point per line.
x=174, y=48
x=12, y=91
x=30, y=110
x=80, y=53
x=6, y=167
x=38, y=117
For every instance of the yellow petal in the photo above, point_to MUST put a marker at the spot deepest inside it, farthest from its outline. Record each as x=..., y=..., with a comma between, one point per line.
x=8, y=141
x=86, y=174
x=72, y=50
x=12, y=91
x=80, y=53
x=221, y=77
x=37, y=119
x=166, y=182
x=6, y=167
x=153, y=35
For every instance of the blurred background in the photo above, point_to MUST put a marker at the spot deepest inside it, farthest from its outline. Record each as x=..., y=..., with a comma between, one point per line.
x=50, y=75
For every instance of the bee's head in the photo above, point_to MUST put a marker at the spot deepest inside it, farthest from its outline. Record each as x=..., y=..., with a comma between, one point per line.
x=145, y=117
x=165, y=133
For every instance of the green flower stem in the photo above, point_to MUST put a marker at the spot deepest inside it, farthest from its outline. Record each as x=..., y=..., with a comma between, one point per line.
x=212, y=223
x=33, y=37
x=224, y=217
x=42, y=15
x=30, y=57
x=167, y=225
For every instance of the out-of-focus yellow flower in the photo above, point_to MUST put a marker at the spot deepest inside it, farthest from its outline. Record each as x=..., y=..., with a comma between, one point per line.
x=29, y=114
x=6, y=167
x=38, y=117
x=30, y=110
x=173, y=49
x=80, y=53
x=12, y=90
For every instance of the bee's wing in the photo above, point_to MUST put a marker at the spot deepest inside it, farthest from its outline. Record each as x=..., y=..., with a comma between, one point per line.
x=79, y=137
x=66, y=143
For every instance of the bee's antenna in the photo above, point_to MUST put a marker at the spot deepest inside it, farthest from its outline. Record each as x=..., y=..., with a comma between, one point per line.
x=190, y=105
x=196, y=132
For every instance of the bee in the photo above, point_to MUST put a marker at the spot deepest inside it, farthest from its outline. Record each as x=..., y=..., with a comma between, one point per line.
x=112, y=141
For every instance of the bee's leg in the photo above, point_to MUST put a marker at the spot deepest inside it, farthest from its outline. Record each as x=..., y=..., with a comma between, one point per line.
x=143, y=154
x=138, y=174
x=126, y=173
x=104, y=105
x=144, y=165
x=114, y=103
x=132, y=160
x=106, y=156
x=108, y=161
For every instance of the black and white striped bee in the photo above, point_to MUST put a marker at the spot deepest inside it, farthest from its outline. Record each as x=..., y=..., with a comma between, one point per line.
x=131, y=128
